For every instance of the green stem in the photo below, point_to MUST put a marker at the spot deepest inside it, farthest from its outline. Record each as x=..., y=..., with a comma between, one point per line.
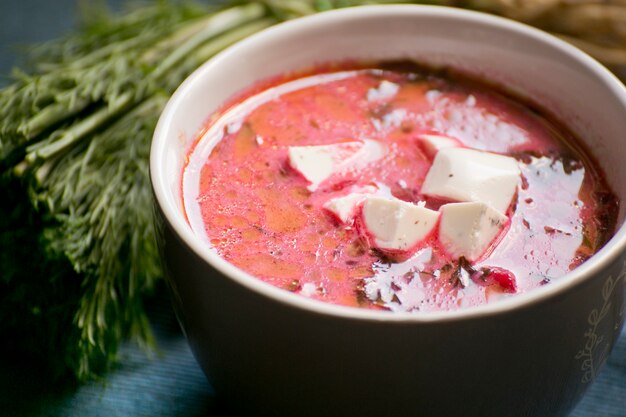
x=80, y=130
x=170, y=42
x=98, y=55
x=218, y=23
x=51, y=115
x=229, y=38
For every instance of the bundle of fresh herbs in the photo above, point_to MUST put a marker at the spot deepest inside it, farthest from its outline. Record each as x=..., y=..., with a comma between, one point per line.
x=77, y=246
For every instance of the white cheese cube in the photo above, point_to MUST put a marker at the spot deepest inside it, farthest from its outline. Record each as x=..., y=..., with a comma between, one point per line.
x=464, y=174
x=308, y=289
x=431, y=143
x=345, y=208
x=468, y=229
x=318, y=162
x=395, y=224
x=386, y=90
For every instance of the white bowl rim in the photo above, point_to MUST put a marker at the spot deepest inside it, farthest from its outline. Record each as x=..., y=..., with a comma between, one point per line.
x=602, y=259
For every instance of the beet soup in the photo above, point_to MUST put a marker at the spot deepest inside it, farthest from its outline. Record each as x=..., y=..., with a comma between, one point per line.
x=390, y=186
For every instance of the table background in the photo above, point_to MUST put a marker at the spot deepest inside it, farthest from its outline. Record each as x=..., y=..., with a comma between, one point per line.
x=168, y=383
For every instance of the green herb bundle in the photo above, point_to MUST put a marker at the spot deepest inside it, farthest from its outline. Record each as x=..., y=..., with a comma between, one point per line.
x=78, y=253
x=77, y=247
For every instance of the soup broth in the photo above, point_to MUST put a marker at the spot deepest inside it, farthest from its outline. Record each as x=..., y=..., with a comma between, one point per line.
x=390, y=186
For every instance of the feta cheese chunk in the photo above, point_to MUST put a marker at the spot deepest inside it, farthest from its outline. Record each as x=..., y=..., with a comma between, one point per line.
x=394, y=224
x=345, y=208
x=318, y=162
x=386, y=90
x=468, y=229
x=464, y=174
x=308, y=289
x=431, y=143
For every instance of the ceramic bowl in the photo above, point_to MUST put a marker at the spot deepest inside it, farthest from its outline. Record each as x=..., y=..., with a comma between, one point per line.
x=271, y=352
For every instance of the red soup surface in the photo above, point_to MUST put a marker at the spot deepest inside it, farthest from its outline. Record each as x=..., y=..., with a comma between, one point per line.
x=261, y=208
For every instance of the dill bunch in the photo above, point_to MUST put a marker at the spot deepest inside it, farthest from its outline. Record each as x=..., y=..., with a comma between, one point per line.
x=77, y=247
x=78, y=253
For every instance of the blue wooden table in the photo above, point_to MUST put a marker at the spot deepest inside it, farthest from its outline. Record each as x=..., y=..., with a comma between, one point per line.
x=169, y=383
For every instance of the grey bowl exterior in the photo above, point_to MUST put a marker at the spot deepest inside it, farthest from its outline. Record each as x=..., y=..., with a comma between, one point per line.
x=273, y=353
x=269, y=358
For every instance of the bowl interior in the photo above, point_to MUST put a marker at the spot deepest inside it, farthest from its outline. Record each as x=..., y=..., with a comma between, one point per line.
x=570, y=85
